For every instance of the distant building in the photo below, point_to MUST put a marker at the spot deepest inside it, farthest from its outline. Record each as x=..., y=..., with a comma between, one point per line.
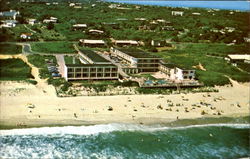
x=196, y=13
x=92, y=43
x=79, y=26
x=247, y=39
x=89, y=66
x=12, y=14
x=8, y=23
x=126, y=43
x=235, y=58
x=26, y=36
x=176, y=73
x=158, y=43
x=31, y=21
x=50, y=20
x=95, y=32
x=178, y=13
x=72, y=4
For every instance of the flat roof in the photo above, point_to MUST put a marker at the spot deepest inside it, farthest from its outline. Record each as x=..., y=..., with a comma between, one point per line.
x=91, y=65
x=93, y=56
x=239, y=57
x=136, y=53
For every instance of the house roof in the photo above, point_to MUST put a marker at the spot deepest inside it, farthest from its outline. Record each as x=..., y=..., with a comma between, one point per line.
x=93, y=56
x=94, y=30
x=136, y=53
x=126, y=42
x=86, y=41
x=80, y=25
x=9, y=13
x=239, y=57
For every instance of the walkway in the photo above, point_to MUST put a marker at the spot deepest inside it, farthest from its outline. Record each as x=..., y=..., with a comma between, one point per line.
x=61, y=63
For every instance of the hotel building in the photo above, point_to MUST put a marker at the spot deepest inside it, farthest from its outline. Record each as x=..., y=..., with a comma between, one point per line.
x=89, y=66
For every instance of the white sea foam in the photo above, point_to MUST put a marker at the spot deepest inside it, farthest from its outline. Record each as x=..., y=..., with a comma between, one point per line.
x=105, y=128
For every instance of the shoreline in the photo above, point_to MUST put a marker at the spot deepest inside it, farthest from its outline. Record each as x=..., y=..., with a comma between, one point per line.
x=26, y=105
x=238, y=119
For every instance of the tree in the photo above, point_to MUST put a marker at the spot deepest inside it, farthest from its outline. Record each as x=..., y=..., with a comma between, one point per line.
x=50, y=26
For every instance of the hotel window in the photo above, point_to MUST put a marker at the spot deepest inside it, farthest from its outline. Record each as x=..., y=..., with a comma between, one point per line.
x=93, y=69
x=85, y=70
x=92, y=75
x=78, y=69
x=191, y=71
x=185, y=77
x=70, y=75
x=107, y=74
x=185, y=72
x=70, y=69
x=78, y=75
x=107, y=69
x=99, y=75
x=85, y=75
x=99, y=70
x=114, y=69
x=114, y=74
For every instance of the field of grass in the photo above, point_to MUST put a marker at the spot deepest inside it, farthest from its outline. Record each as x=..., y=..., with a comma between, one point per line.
x=10, y=49
x=53, y=47
x=14, y=69
x=190, y=54
x=39, y=61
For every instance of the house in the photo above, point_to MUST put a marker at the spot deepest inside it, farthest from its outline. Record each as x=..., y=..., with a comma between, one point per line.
x=95, y=32
x=236, y=58
x=31, y=21
x=196, y=13
x=8, y=23
x=247, y=39
x=92, y=43
x=158, y=43
x=184, y=74
x=168, y=28
x=161, y=20
x=12, y=14
x=26, y=36
x=176, y=73
x=89, y=66
x=77, y=7
x=140, y=19
x=79, y=26
x=72, y=4
x=177, y=13
x=126, y=43
x=138, y=60
x=50, y=20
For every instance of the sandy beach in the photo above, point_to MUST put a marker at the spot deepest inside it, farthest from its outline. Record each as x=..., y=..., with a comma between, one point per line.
x=25, y=104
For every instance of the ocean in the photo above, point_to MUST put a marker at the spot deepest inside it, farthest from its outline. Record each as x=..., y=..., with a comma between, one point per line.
x=127, y=141
x=229, y=5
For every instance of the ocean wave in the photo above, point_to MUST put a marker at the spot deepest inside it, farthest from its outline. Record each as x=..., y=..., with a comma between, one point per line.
x=106, y=128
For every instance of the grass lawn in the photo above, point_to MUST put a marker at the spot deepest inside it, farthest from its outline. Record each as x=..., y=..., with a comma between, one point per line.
x=14, y=69
x=190, y=54
x=10, y=49
x=53, y=47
